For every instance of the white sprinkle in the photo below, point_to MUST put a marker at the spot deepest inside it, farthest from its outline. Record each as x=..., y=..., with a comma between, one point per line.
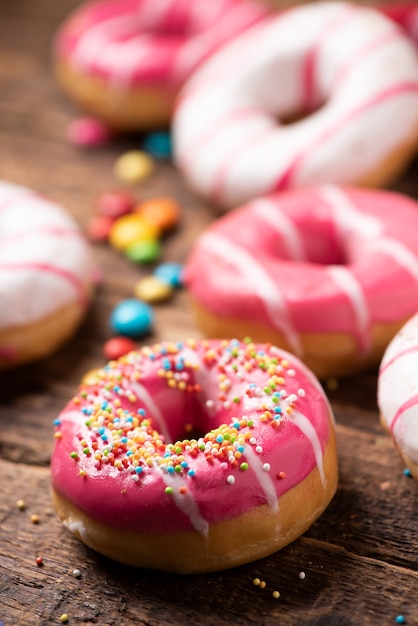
x=135, y=478
x=302, y=575
x=253, y=441
x=259, y=449
x=210, y=404
x=283, y=393
x=226, y=405
x=76, y=573
x=230, y=480
x=292, y=398
x=259, y=392
x=266, y=467
x=301, y=393
x=291, y=372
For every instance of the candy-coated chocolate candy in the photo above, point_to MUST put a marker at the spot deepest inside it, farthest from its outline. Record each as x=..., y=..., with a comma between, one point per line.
x=98, y=228
x=131, y=318
x=153, y=289
x=158, y=144
x=146, y=251
x=115, y=203
x=130, y=229
x=170, y=273
x=134, y=166
x=116, y=347
x=165, y=212
x=88, y=131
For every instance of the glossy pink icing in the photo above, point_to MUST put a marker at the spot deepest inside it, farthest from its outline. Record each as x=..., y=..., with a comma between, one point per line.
x=397, y=392
x=131, y=42
x=319, y=260
x=258, y=406
x=353, y=72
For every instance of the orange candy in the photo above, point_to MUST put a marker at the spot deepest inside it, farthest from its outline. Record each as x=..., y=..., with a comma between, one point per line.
x=163, y=212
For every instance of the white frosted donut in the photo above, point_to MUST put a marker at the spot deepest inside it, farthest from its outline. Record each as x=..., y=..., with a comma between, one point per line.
x=125, y=60
x=350, y=66
x=397, y=393
x=46, y=275
x=195, y=456
x=329, y=273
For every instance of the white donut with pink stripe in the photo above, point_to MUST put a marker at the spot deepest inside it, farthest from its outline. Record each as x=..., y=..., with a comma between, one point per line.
x=329, y=273
x=46, y=274
x=354, y=73
x=125, y=60
x=398, y=392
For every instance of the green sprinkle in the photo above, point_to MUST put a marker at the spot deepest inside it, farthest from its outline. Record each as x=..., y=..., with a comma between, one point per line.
x=244, y=466
x=74, y=455
x=168, y=490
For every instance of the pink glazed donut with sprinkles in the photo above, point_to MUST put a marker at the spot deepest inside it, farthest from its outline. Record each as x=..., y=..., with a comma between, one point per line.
x=406, y=15
x=195, y=457
x=397, y=393
x=46, y=276
x=346, y=72
x=328, y=273
x=124, y=61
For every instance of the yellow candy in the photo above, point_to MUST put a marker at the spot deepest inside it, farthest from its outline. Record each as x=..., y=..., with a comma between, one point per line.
x=134, y=166
x=131, y=229
x=152, y=289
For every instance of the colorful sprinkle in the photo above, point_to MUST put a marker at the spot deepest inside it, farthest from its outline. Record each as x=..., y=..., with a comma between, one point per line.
x=116, y=347
x=158, y=144
x=131, y=229
x=151, y=289
x=88, y=131
x=21, y=505
x=163, y=212
x=170, y=273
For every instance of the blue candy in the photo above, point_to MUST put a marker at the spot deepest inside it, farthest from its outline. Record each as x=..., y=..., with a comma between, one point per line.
x=131, y=318
x=170, y=273
x=158, y=145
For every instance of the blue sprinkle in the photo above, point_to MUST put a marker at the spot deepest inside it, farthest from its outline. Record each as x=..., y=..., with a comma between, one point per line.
x=191, y=472
x=400, y=619
x=241, y=449
x=184, y=464
x=138, y=470
x=277, y=409
x=407, y=472
x=166, y=364
x=219, y=438
x=141, y=412
x=129, y=453
x=170, y=469
x=104, y=438
x=236, y=425
x=158, y=144
x=170, y=273
x=124, y=440
x=131, y=318
x=102, y=430
x=57, y=422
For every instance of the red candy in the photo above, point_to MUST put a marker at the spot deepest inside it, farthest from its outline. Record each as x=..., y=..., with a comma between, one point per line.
x=87, y=131
x=115, y=203
x=117, y=347
x=99, y=227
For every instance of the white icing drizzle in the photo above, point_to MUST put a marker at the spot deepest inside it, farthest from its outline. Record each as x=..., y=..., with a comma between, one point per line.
x=186, y=502
x=260, y=281
x=305, y=426
x=263, y=478
x=76, y=527
x=270, y=212
x=146, y=398
x=348, y=284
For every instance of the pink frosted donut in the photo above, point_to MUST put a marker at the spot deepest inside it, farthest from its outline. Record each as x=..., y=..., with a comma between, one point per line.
x=125, y=60
x=397, y=393
x=328, y=273
x=195, y=457
x=349, y=69
x=46, y=276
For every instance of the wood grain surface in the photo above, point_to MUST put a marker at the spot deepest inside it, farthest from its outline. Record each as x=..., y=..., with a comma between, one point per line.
x=359, y=560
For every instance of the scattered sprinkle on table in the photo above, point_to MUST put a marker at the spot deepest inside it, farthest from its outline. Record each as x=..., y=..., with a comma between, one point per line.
x=130, y=229
x=64, y=617
x=35, y=519
x=399, y=619
x=21, y=505
x=88, y=131
x=162, y=211
x=76, y=573
x=39, y=561
x=152, y=289
x=276, y=594
x=117, y=347
x=158, y=144
x=170, y=273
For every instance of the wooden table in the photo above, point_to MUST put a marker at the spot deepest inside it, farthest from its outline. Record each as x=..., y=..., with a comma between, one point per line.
x=359, y=559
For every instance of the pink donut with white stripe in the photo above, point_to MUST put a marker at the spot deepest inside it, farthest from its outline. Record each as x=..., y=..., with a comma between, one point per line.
x=195, y=457
x=329, y=273
x=350, y=70
x=125, y=60
x=46, y=275
x=397, y=393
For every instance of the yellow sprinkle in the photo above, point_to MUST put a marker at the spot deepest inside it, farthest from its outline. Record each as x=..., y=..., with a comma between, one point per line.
x=64, y=617
x=82, y=473
x=21, y=505
x=152, y=289
x=34, y=519
x=256, y=582
x=58, y=435
x=276, y=594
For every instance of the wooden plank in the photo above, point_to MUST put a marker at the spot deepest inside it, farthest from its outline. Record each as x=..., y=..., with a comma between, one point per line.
x=359, y=558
